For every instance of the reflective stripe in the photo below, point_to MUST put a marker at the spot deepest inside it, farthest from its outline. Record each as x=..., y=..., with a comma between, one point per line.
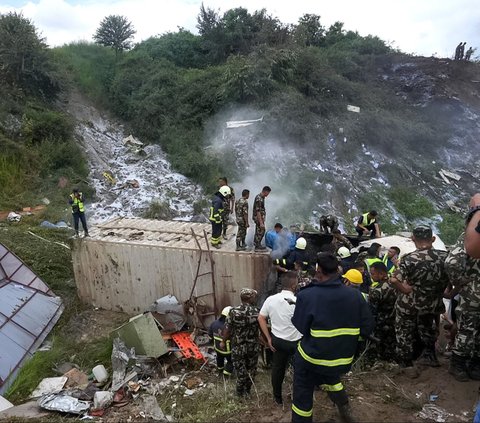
x=302, y=413
x=227, y=350
x=334, y=332
x=365, y=221
x=332, y=388
x=327, y=363
x=216, y=218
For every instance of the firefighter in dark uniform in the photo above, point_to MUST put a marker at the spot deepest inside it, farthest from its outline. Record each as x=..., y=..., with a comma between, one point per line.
x=215, y=217
x=223, y=350
x=331, y=317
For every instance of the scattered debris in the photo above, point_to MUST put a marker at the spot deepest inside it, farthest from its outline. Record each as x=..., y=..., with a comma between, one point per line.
x=109, y=177
x=451, y=204
x=14, y=217
x=64, y=403
x=351, y=108
x=132, y=141
x=433, y=397
x=45, y=201
x=59, y=225
x=121, y=355
x=451, y=175
x=434, y=412
x=76, y=378
x=46, y=346
x=100, y=373
x=193, y=382
x=189, y=392
x=102, y=400
x=51, y=242
x=49, y=385
x=5, y=404
x=242, y=123
x=142, y=333
x=168, y=312
x=28, y=410
x=151, y=408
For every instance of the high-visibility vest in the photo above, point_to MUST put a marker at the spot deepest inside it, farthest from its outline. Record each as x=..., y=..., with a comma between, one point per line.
x=370, y=261
x=365, y=221
x=77, y=202
x=385, y=261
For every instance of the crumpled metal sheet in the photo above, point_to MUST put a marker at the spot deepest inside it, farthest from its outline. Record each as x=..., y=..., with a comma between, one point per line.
x=121, y=355
x=63, y=403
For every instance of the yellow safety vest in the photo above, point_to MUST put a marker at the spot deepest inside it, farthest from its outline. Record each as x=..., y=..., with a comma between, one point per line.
x=77, y=202
x=365, y=221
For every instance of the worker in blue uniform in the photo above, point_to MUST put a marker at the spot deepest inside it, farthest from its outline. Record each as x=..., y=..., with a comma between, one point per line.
x=331, y=317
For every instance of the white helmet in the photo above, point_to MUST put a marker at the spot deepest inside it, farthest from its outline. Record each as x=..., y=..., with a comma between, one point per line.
x=301, y=243
x=226, y=310
x=344, y=252
x=225, y=190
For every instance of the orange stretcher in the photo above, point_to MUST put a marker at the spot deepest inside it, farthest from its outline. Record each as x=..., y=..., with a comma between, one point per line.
x=188, y=348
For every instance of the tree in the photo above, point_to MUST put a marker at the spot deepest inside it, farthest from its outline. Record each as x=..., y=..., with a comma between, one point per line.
x=115, y=31
x=309, y=30
x=24, y=59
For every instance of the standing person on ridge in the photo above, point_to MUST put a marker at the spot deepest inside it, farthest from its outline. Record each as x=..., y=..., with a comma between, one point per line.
x=76, y=201
x=228, y=205
x=259, y=215
x=216, y=211
x=241, y=213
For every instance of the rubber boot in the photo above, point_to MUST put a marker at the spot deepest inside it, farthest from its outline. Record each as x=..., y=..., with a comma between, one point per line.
x=474, y=369
x=458, y=368
x=428, y=358
x=345, y=413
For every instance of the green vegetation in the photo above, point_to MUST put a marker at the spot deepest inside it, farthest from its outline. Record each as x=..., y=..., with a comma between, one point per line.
x=451, y=226
x=115, y=31
x=410, y=204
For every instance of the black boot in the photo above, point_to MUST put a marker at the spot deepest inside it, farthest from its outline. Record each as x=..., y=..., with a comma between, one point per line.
x=428, y=358
x=473, y=369
x=239, y=246
x=345, y=413
x=458, y=368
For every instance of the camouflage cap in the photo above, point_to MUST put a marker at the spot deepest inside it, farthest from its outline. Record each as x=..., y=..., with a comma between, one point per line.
x=247, y=293
x=422, y=232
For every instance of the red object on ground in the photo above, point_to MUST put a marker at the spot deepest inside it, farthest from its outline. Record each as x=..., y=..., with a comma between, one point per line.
x=188, y=348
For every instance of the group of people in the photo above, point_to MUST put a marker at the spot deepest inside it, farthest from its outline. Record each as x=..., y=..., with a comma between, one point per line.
x=224, y=204
x=461, y=54
x=328, y=311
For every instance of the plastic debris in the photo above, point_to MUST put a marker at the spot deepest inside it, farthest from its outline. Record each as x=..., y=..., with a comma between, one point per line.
x=100, y=373
x=121, y=355
x=168, y=312
x=102, y=400
x=49, y=385
x=5, y=404
x=174, y=379
x=14, y=217
x=433, y=397
x=63, y=403
x=189, y=392
x=152, y=409
x=435, y=413
x=76, y=378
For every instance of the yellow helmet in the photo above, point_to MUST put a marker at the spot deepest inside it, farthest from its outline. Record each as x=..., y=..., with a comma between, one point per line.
x=226, y=310
x=354, y=276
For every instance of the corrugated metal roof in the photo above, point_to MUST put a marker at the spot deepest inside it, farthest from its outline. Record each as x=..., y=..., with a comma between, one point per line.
x=163, y=233
x=28, y=312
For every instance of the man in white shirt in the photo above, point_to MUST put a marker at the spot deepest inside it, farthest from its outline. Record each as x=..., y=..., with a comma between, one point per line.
x=283, y=340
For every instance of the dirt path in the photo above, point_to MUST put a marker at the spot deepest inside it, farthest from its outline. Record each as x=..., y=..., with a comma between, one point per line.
x=102, y=139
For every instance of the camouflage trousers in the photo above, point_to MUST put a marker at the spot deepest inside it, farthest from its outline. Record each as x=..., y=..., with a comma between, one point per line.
x=225, y=216
x=245, y=359
x=241, y=233
x=410, y=326
x=385, y=331
x=259, y=233
x=467, y=341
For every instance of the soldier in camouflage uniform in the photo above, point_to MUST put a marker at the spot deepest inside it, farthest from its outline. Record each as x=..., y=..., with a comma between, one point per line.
x=241, y=212
x=328, y=223
x=421, y=280
x=464, y=273
x=258, y=216
x=340, y=240
x=228, y=205
x=382, y=298
x=242, y=330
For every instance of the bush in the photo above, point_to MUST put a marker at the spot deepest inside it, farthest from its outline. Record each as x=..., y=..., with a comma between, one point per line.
x=40, y=125
x=451, y=226
x=159, y=210
x=411, y=204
